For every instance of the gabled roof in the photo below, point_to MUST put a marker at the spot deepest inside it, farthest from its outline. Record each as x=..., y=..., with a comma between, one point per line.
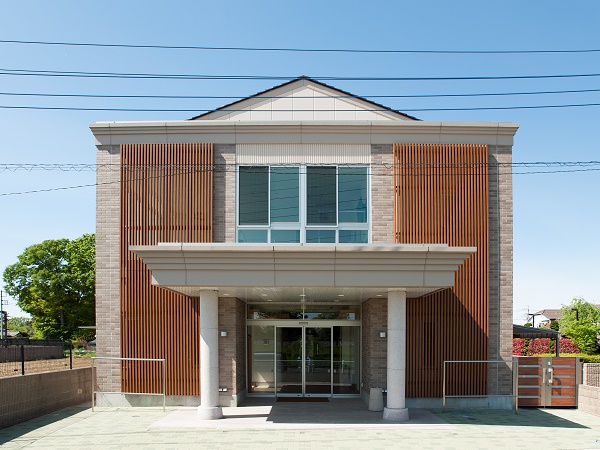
x=551, y=314
x=326, y=101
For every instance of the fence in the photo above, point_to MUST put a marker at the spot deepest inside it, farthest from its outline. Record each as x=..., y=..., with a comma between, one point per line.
x=24, y=356
x=157, y=365
x=471, y=369
x=591, y=375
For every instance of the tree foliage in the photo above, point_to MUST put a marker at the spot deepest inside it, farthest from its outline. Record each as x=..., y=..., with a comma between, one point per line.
x=54, y=282
x=579, y=321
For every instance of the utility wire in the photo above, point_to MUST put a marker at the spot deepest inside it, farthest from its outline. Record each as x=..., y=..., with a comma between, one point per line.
x=165, y=110
x=219, y=168
x=225, y=97
x=292, y=49
x=82, y=74
x=81, y=167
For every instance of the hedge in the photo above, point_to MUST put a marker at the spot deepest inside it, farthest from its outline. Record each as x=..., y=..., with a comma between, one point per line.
x=534, y=347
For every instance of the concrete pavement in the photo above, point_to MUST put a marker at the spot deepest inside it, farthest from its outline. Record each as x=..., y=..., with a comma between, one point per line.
x=266, y=425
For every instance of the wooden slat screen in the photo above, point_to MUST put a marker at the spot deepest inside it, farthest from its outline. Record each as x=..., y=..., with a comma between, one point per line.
x=166, y=196
x=441, y=197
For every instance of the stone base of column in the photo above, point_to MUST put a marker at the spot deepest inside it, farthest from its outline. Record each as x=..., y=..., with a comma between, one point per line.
x=395, y=414
x=210, y=413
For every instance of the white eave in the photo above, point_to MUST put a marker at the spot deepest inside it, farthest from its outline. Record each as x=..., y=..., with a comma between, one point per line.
x=303, y=132
x=357, y=272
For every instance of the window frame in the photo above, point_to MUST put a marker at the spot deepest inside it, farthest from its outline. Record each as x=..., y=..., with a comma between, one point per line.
x=302, y=226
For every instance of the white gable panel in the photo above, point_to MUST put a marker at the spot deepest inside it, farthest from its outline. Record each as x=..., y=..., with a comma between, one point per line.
x=307, y=103
x=325, y=108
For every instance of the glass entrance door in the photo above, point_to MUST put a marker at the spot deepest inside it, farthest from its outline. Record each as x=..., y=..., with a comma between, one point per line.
x=303, y=361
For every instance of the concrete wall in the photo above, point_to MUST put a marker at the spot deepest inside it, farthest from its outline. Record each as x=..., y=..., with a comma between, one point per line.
x=27, y=397
x=588, y=395
x=588, y=399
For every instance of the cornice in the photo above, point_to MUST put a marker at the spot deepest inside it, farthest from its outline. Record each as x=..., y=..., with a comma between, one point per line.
x=360, y=132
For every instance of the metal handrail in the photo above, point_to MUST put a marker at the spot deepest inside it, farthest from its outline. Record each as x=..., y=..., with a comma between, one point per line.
x=114, y=358
x=514, y=362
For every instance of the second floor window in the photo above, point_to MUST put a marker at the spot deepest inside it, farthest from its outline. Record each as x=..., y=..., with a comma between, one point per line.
x=314, y=204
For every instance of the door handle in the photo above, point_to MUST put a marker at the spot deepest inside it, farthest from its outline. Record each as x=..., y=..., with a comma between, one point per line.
x=551, y=380
x=543, y=375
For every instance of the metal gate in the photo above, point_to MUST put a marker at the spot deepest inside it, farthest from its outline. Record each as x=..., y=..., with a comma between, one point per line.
x=548, y=381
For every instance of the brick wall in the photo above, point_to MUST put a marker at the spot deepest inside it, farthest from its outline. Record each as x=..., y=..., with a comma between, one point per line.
x=224, y=193
x=501, y=266
x=382, y=194
x=108, y=279
x=30, y=396
x=232, y=348
x=374, y=348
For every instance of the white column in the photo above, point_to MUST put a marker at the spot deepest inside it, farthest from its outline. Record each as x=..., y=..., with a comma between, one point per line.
x=396, y=409
x=209, y=356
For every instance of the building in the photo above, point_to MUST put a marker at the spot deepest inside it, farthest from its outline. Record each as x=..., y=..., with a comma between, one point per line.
x=303, y=242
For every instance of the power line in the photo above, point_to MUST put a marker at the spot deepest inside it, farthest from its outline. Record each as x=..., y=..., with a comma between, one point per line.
x=82, y=74
x=165, y=110
x=224, y=168
x=294, y=49
x=225, y=97
x=80, y=167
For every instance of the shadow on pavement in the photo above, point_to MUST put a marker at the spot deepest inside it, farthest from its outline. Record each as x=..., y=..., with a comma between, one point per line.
x=18, y=430
x=525, y=418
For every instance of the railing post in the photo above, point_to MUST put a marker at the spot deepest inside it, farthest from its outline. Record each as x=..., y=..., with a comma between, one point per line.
x=444, y=388
x=515, y=384
x=22, y=360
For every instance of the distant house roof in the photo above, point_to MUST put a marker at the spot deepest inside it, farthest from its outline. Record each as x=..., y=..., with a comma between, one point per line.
x=550, y=314
x=13, y=334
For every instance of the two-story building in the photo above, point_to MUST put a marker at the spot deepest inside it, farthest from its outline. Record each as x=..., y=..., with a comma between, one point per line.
x=303, y=242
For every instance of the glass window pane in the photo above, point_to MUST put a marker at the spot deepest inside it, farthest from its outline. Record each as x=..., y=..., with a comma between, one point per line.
x=354, y=236
x=352, y=194
x=261, y=351
x=320, y=236
x=256, y=236
x=253, y=195
x=282, y=236
x=285, y=194
x=321, y=205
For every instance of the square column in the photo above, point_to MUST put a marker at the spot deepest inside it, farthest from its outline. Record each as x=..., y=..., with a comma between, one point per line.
x=396, y=409
x=209, y=356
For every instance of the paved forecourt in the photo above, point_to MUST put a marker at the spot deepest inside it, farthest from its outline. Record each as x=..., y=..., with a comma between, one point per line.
x=311, y=426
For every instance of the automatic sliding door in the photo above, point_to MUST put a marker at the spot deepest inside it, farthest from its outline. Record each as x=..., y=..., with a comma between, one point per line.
x=289, y=350
x=346, y=360
x=317, y=364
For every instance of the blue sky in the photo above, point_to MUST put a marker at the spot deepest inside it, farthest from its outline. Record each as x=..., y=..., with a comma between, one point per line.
x=556, y=215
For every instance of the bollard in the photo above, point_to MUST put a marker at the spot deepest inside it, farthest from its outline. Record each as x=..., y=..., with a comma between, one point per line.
x=376, y=399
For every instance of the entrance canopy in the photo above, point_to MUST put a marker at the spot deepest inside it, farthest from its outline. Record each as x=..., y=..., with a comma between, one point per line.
x=317, y=272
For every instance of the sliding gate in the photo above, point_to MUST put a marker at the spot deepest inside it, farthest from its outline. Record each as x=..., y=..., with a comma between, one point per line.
x=548, y=381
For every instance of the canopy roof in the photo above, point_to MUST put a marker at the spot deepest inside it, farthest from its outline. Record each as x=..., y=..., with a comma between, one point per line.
x=318, y=272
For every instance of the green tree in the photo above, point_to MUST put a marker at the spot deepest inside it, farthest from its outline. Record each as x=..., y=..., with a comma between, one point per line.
x=54, y=282
x=579, y=321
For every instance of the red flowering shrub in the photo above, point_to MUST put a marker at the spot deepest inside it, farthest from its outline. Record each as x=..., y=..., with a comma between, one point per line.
x=567, y=346
x=538, y=346
x=518, y=347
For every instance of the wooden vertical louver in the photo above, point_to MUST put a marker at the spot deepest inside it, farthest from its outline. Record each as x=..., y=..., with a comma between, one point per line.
x=441, y=197
x=166, y=196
